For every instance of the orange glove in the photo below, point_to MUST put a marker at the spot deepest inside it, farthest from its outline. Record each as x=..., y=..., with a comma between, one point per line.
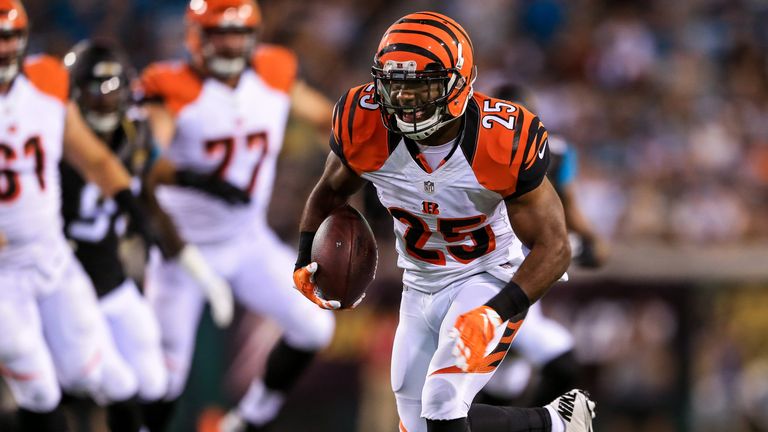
x=304, y=278
x=473, y=331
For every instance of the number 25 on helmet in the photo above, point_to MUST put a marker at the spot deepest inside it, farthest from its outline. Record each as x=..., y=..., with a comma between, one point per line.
x=423, y=72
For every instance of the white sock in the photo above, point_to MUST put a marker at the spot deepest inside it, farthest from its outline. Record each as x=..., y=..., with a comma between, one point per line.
x=558, y=425
x=260, y=405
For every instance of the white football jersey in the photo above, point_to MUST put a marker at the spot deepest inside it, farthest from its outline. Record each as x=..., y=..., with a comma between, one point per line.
x=235, y=133
x=32, y=116
x=450, y=221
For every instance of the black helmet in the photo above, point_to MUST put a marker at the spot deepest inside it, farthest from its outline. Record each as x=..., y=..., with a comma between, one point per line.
x=100, y=77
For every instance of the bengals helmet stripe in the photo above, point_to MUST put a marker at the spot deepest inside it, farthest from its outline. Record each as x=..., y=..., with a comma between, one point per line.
x=433, y=23
x=415, y=49
x=426, y=27
x=453, y=23
x=431, y=36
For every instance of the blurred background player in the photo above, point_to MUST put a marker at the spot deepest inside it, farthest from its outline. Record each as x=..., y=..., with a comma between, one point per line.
x=542, y=354
x=100, y=83
x=52, y=330
x=458, y=172
x=221, y=118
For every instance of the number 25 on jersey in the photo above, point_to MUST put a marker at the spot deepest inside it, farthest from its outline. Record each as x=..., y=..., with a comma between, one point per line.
x=453, y=230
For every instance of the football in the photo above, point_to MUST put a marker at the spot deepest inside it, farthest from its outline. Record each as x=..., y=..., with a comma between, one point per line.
x=345, y=250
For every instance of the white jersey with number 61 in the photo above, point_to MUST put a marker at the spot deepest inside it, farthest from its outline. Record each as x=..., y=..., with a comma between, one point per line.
x=32, y=116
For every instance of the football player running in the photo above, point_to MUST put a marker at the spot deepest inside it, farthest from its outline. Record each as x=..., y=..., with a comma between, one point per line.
x=53, y=333
x=221, y=117
x=545, y=345
x=480, y=230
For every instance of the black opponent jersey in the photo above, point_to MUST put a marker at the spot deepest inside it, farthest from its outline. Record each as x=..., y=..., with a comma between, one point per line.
x=92, y=222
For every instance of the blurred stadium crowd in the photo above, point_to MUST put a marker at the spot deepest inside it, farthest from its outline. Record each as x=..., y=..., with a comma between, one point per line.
x=667, y=103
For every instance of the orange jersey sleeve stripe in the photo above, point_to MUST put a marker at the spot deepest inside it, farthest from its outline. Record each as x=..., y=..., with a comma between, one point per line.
x=49, y=76
x=536, y=136
x=522, y=132
x=362, y=139
x=278, y=66
x=175, y=84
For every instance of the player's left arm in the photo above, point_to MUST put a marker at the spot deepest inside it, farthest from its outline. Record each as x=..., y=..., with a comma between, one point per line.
x=537, y=219
x=539, y=222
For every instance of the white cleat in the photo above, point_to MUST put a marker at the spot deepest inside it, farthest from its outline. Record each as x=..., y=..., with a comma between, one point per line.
x=575, y=409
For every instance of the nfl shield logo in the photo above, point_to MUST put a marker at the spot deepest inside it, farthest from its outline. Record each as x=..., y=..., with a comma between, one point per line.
x=429, y=187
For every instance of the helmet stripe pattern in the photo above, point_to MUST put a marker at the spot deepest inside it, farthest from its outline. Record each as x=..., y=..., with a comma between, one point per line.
x=453, y=23
x=415, y=49
x=433, y=23
x=431, y=36
x=430, y=52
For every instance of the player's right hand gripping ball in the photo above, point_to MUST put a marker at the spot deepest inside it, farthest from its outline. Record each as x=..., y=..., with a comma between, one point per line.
x=304, y=278
x=344, y=249
x=473, y=332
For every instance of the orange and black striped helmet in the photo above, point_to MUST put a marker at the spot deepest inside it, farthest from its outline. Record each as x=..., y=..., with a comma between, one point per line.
x=208, y=16
x=13, y=22
x=424, y=70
